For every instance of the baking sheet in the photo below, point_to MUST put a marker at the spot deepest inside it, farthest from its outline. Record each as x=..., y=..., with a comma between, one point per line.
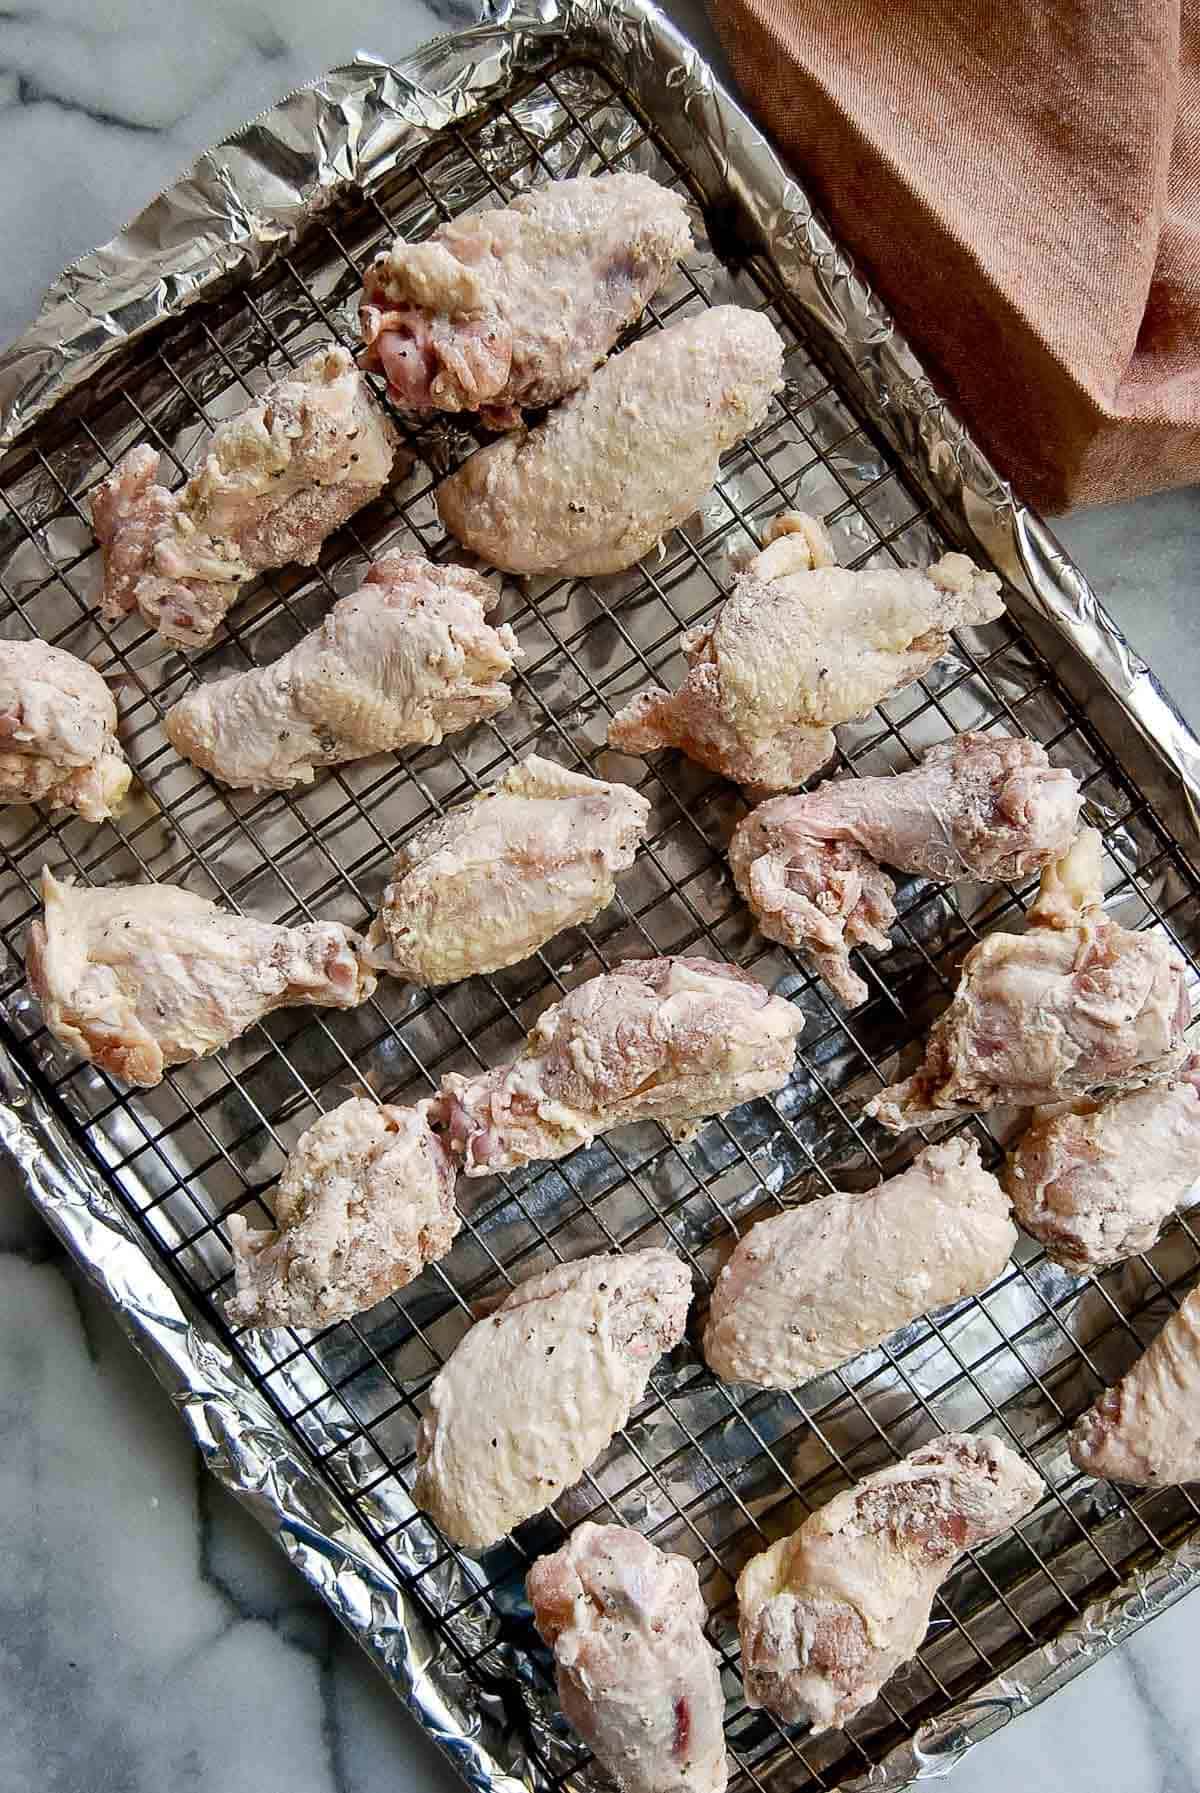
x=243, y=268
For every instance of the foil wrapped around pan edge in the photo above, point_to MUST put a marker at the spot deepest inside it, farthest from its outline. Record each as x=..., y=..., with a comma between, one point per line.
x=241, y=204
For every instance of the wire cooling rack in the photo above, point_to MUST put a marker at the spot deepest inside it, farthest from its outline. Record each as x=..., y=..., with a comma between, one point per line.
x=710, y=1470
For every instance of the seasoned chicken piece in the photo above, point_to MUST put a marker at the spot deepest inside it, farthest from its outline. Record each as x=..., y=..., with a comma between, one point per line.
x=58, y=732
x=274, y=482
x=365, y=1201
x=799, y=647
x=979, y=806
x=637, y=1677
x=829, y=1614
x=1076, y=1003
x=671, y=1040
x=143, y=976
x=1094, y=1182
x=490, y=882
x=812, y=1288
x=532, y=1394
x=626, y=458
x=516, y=306
x=402, y=661
x=1146, y=1429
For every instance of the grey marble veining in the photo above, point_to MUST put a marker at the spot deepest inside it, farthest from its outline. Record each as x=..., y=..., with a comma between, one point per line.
x=150, y=1637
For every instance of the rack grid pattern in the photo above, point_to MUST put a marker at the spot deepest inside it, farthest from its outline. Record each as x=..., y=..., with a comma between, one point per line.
x=710, y=1470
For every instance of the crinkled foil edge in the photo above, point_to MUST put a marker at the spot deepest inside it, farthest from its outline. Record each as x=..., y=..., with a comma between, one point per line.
x=239, y=206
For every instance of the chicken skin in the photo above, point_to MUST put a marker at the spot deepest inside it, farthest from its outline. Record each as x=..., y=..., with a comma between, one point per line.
x=365, y=1201
x=144, y=976
x=274, y=482
x=1076, y=1003
x=58, y=733
x=490, y=882
x=637, y=1678
x=515, y=307
x=403, y=661
x=671, y=1040
x=812, y=1288
x=829, y=1614
x=626, y=458
x=532, y=1394
x=800, y=646
x=978, y=806
x=1146, y=1429
x=1094, y=1182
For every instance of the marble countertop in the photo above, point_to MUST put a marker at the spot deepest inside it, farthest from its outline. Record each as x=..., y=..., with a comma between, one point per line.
x=150, y=1636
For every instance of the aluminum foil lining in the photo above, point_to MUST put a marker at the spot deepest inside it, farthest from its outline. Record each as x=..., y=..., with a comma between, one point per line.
x=243, y=206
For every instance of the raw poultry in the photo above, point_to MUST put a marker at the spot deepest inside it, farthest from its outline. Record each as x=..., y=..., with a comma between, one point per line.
x=624, y=459
x=515, y=306
x=637, y=1678
x=139, y=977
x=58, y=732
x=1076, y=1003
x=1095, y=1180
x=403, y=661
x=807, y=1290
x=533, y=1393
x=978, y=806
x=671, y=1040
x=489, y=882
x=800, y=646
x=274, y=481
x=829, y=1614
x=1146, y=1429
x=365, y=1201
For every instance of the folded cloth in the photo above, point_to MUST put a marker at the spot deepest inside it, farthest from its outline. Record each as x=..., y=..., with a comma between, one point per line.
x=1021, y=183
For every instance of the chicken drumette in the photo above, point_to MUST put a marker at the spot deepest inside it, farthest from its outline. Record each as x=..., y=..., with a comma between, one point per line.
x=672, y=1040
x=812, y=1288
x=275, y=481
x=1076, y=1003
x=624, y=459
x=532, y=1394
x=829, y=1614
x=487, y=884
x=637, y=1677
x=799, y=647
x=58, y=732
x=1095, y=1181
x=1146, y=1429
x=144, y=976
x=516, y=306
x=365, y=1201
x=406, y=659
x=978, y=806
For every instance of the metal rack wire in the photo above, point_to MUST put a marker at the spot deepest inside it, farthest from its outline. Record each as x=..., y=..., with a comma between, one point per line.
x=707, y=1469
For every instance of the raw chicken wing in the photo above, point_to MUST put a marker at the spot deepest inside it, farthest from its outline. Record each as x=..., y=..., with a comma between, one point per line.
x=637, y=1677
x=1146, y=1430
x=275, y=481
x=626, y=458
x=365, y=1201
x=487, y=884
x=516, y=306
x=829, y=1614
x=1076, y=1003
x=406, y=659
x=671, y=1040
x=58, y=732
x=799, y=647
x=978, y=806
x=532, y=1394
x=812, y=1288
x=144, y=976
x=1094, y=1182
